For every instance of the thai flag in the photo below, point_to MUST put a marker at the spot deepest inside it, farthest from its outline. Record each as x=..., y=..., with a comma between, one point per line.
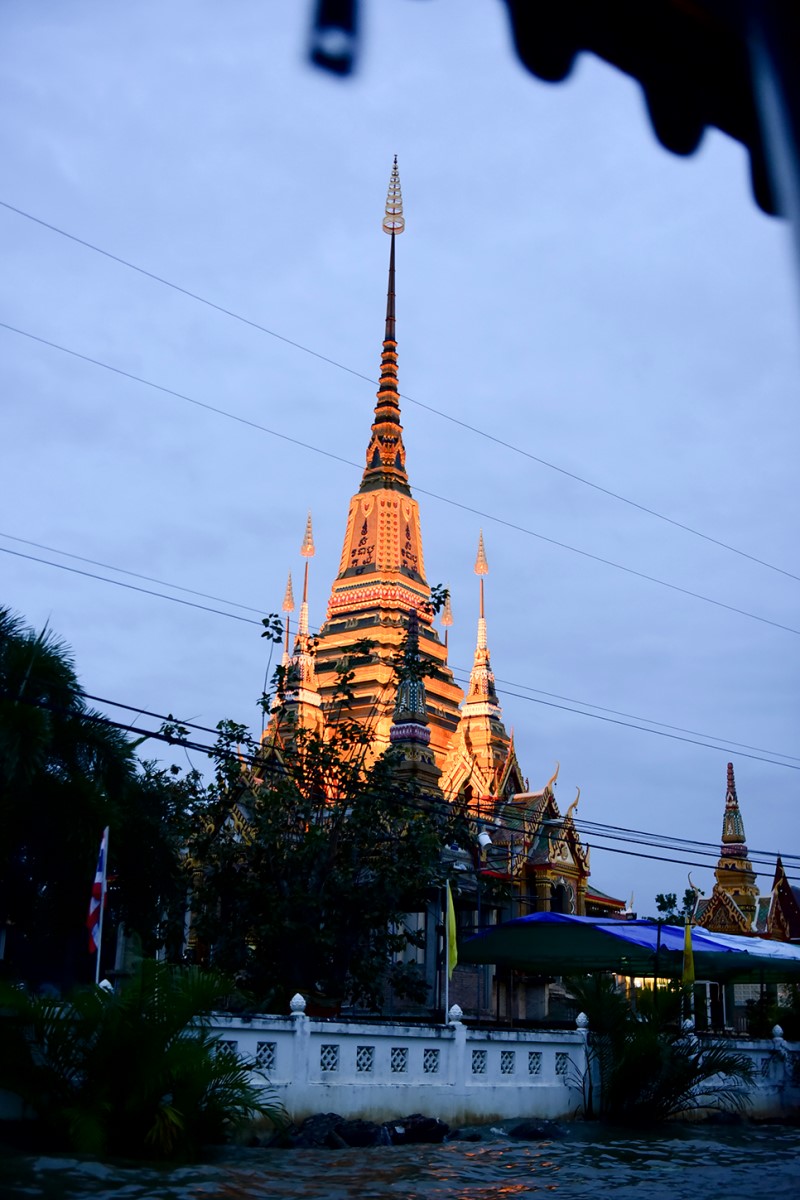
x=97, y=902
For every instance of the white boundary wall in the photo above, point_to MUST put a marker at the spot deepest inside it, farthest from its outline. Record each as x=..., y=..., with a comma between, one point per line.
x=461, y=1075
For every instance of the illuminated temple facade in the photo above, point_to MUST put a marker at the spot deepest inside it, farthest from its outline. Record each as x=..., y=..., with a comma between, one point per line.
x=455, y=745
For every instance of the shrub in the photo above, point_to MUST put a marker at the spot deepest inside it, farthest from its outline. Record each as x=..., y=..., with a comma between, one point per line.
x=134, y=1073
x=644, y=1067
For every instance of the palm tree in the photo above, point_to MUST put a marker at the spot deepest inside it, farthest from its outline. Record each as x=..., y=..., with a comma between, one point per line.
x=643, y=1068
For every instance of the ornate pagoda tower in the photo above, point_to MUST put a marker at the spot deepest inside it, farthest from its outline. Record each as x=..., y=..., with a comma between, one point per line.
x=482, y=762
x=381, y=578
x=731, y=907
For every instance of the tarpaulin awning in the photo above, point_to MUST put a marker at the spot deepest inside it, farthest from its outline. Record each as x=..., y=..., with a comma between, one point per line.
x=561, y=944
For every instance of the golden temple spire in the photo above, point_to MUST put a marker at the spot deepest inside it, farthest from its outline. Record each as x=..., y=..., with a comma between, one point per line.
x=386, y=456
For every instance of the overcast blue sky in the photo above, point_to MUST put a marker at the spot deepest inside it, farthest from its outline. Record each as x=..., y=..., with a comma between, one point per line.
x=563, y=284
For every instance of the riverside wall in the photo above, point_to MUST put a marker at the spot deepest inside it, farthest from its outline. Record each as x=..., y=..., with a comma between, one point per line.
x=459, y=1074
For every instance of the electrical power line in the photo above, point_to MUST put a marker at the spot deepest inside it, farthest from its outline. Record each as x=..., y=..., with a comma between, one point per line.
x=497, y=520
x=505, y=826
x=701, y=739
x=514, y=448
x=134, y=574
x=675, y=737
x=130, y=586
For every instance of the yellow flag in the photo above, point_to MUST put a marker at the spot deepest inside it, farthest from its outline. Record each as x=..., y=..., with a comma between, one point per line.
x=688, y=956
x=452, y=945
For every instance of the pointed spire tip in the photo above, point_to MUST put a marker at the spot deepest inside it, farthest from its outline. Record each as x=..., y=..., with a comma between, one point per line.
x=288, y=596
x=394, y=221
x=307, y=548
x=481, y=565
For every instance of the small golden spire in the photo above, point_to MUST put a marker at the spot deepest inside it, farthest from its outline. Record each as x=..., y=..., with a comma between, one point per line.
x=288, y=598
x=481, y=565
x=307, y=548
x=394, y=221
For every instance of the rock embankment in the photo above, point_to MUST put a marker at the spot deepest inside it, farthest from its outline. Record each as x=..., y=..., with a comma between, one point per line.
x=334, y=1132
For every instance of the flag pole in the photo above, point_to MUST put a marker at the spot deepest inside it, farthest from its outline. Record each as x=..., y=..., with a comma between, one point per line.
x=103, y=888
x=446, y=950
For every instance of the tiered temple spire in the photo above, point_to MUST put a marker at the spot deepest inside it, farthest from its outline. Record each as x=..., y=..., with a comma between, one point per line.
x=386, y=455
x=381, y=578
x=733, y=839
x=409, y=735
x=732, y=905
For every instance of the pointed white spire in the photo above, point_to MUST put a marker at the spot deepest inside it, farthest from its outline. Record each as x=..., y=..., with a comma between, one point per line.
x=394, y=221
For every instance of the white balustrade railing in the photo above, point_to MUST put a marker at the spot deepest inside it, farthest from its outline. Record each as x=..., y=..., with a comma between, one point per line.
x=459, y=1074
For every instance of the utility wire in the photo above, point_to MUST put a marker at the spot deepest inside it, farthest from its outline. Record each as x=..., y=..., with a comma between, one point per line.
x=461, y=671
x=674, y=587
x=252, y=759
x=634, y=717
x=124, y=571
x=676, y=737
x=130, y=586
x=516, y=449
x=513, y=822
x=643, y=728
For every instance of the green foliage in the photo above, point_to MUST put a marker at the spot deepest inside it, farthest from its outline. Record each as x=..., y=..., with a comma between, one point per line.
x=668, y=910
x=308, y=864
x=64, y=775
x=775, y=1007
x=643, y=1069
x=135, y=1073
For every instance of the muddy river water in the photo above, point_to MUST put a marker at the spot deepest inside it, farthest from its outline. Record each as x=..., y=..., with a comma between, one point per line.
x=682, y=1163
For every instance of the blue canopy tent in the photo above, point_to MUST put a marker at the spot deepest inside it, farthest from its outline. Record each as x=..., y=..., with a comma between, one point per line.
x=559, y=944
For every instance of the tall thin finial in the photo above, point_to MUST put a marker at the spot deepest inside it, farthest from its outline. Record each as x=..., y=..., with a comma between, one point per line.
x=447, y=617
x=288, y=607
x=481, y=568
x=394, y=221
x=307, y=551
x=386, y=456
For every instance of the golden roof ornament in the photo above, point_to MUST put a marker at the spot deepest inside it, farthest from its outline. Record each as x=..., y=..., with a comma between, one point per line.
x=394, y=221
x=447, y=612
x=288, y=597
x=307, y=548
x=551, y=783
